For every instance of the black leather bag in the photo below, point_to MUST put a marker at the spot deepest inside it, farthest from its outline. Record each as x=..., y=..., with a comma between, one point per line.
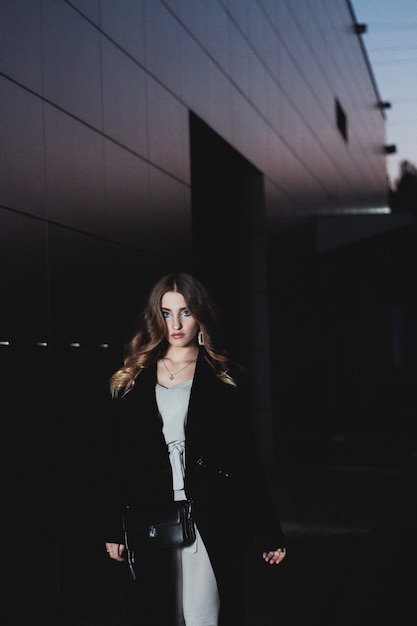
x=167, y=526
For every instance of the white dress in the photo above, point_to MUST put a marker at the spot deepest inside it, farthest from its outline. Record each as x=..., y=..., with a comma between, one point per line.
x=198, y=596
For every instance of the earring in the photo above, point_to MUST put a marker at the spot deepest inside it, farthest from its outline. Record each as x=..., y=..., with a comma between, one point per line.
x=200, y=338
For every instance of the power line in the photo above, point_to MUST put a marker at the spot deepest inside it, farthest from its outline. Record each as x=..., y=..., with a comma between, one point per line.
x=385, y=48
x=387, y=61
x=394, y=26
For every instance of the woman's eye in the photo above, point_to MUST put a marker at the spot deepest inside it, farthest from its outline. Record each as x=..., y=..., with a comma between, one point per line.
x=184, y=313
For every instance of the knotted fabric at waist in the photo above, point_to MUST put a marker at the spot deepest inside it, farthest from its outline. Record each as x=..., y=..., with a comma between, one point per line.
x=176, y=450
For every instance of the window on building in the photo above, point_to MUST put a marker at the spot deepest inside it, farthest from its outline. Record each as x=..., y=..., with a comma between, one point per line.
x=341, y=120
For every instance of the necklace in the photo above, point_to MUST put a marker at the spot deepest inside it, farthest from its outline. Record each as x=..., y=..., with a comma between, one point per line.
x=172, y=375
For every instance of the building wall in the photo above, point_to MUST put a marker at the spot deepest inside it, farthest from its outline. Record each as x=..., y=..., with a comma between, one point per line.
x=95, y=188
x=97, y=99
x=98, y=94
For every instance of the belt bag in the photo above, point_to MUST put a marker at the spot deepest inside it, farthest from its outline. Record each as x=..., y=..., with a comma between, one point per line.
x=167, y=526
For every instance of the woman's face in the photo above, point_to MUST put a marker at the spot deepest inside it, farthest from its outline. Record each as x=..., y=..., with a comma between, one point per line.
x=182, y=327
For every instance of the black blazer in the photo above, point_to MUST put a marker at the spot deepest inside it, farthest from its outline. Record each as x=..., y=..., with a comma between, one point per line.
x=224, y=476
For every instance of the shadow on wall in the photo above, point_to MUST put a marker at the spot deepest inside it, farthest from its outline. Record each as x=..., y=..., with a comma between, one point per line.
x=53, y=427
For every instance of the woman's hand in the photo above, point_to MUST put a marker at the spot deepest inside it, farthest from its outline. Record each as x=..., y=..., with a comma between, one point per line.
x=274, y=557
x=115, y=551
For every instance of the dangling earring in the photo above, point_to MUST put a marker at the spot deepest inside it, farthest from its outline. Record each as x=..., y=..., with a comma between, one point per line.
x=200, y=338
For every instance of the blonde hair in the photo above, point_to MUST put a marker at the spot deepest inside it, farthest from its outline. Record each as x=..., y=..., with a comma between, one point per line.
x=149, y=343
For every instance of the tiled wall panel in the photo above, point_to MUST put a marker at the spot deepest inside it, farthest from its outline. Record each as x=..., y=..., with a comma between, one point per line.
x=22, y=161
x=124, y=23
x=219, y=98
x=90, y=8
x=71, y=62
x=74, y=163
x=96, y=97
x=95, y=166
x=124, y=85
x=234, y=64
x=219, y=29
x=196, y=67
x=168, y=132
x=162, y=55
x=21, y=42
x=24, y=310
x=127, y=199
x=170, y=219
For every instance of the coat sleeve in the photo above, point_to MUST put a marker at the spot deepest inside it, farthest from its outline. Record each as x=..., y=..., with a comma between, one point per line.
x=224, y=470
x=268, y=533
x=136, y=468
x=110, y=490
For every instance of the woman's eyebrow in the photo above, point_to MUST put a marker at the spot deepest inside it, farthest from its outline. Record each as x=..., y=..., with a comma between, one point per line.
x=183, y=308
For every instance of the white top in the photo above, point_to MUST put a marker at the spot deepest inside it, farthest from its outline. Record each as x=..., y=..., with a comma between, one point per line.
x=173, y=406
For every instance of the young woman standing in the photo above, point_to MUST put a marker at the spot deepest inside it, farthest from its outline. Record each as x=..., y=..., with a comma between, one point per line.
x=181, y=425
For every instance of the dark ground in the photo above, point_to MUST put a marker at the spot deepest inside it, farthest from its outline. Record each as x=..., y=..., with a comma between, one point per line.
x=351, y=553
x=352, y=548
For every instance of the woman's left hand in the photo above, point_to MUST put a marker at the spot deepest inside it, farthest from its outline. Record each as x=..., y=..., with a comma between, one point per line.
x=115, y=551
x=275, y=557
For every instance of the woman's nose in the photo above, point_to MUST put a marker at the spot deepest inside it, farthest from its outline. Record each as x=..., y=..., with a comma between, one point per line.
x=176, y=322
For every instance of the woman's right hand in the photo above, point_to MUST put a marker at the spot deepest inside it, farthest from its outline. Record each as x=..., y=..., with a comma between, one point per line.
x=274, y=556
x=115, y=551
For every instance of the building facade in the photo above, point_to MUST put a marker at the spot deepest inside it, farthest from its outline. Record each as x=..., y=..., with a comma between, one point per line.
x=144, y=136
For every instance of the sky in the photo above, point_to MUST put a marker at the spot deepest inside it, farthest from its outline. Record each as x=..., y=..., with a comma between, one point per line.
x=391, y=44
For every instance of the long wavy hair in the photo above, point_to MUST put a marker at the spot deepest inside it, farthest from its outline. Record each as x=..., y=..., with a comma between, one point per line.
x=149, y=343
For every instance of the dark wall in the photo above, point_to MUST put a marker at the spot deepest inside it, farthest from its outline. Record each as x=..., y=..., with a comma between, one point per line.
x=224, y=211
x=345, y=350
x=95, y=158
x=69, y=302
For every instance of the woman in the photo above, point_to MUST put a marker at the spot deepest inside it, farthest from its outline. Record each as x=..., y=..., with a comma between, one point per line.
x=181, y=414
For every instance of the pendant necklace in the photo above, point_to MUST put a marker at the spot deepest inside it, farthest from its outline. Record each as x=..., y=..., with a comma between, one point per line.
x=172, y=375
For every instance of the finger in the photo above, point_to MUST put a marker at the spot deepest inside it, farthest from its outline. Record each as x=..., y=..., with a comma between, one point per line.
x=114, y=551
x=274, y=557
x=115, y=555
x=279, y=556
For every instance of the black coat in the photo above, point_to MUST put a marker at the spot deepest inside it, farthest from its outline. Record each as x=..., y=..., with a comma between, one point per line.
x=233, y=509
